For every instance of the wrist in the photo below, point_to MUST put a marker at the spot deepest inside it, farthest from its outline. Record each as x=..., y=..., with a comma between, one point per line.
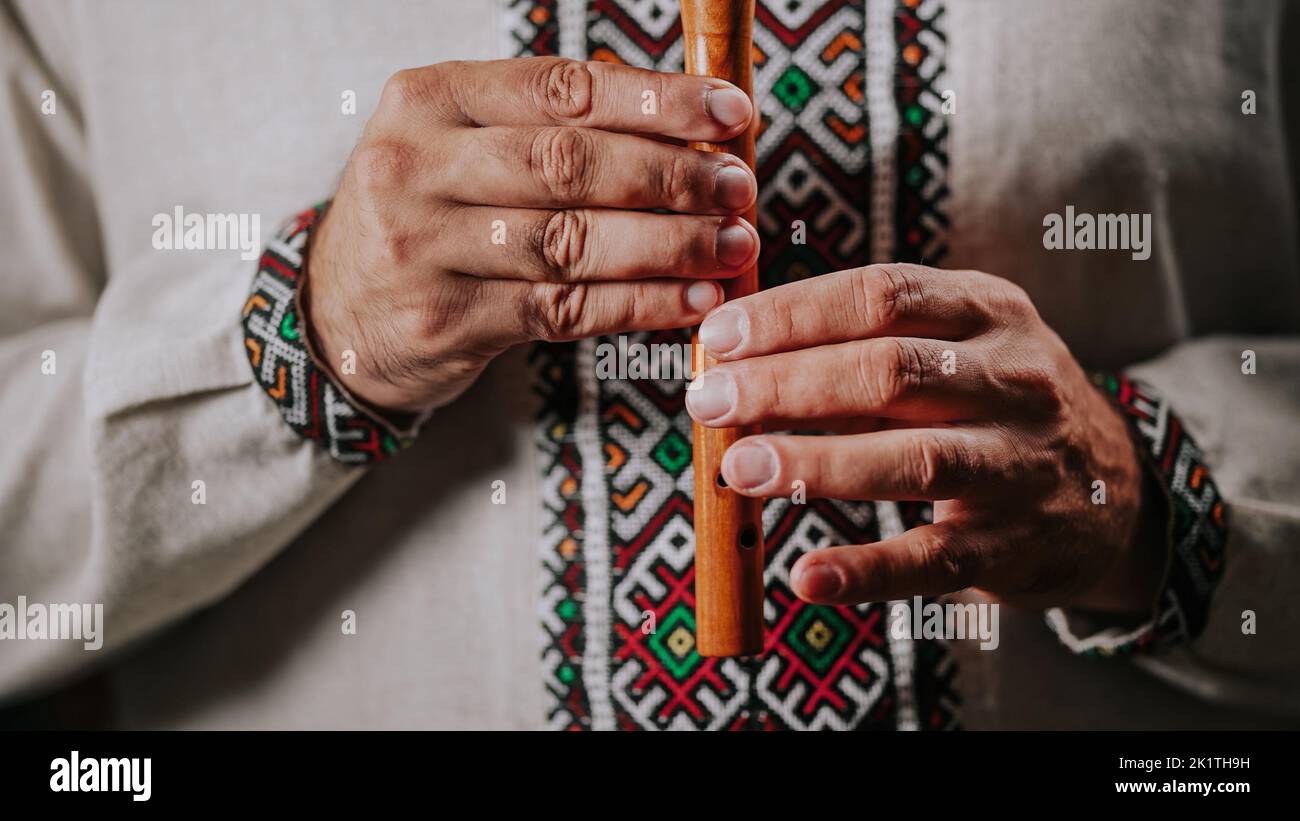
x=287, y=370
x=334, y=326
x=1182, y=532
x=1139, y=569
x=1131, y=580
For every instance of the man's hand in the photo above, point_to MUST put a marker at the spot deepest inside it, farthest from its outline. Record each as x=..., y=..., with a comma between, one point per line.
x=493, y=203
x=943, y=386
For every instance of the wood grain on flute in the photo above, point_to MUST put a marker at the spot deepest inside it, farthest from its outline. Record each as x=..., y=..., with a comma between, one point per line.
x=728, y=527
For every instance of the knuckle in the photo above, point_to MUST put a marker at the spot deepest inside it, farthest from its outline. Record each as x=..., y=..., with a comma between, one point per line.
x=448, y=307
x=774, y=316
x=557, y=311
x=889, y=370
x=946, y=562
x=560, y=159
x=770, y=399
x=564, y=90
x=1011, y=299
x=562, y=243
x=926, y=464
x=661, y=85
x=408, y=87
x=1039, y=388
x=888, y=294
x=396, y=247
x=673, y=179
x=690, y=243
x=1046, y=386
x=384, y=165
x=1035, y=467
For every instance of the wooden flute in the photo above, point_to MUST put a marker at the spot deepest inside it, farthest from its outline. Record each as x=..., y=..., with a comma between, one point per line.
x=718, y=37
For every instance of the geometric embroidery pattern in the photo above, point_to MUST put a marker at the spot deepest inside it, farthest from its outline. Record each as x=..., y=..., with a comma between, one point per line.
x=563, y=569
x=921, y=220
x=531, y=27
x=618, y=588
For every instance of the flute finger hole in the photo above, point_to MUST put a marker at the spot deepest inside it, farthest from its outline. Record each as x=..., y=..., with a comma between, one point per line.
x=721, y=481
x=748, y=537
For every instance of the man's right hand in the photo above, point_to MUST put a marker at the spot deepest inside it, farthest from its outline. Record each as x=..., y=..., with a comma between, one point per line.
x=493, y=203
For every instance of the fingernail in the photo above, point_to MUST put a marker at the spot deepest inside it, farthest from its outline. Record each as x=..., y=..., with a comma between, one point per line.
x=711, y=395
x=735, y=245
x=817, y=582
x=749, y=464
x=724, y=330
x=702, y=296
x=734, y=187
x=729, y=106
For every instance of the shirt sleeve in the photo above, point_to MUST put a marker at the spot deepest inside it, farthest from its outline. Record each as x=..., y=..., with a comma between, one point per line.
x=1230, y=462
x=143, y=468
x=1237, y=400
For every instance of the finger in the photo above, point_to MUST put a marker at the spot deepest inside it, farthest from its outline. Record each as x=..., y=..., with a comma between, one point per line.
x=878, y=300
x=555, y=91
x=926, y=561
x=583, y=245
x=559, y=312
x=896, y=377
x=562, y=167
x=927, y=464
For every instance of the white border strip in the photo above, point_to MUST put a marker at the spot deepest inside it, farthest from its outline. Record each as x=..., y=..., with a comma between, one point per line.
x=572, y=18
x=902, y=652
x=882, y=119
x=595, y=542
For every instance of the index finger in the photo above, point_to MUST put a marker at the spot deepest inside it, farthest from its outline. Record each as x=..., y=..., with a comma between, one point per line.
x=860, y=303
x=554, y=91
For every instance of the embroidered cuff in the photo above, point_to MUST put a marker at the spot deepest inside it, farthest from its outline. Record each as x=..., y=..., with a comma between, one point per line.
x=283, y=363
x=1195, y=533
